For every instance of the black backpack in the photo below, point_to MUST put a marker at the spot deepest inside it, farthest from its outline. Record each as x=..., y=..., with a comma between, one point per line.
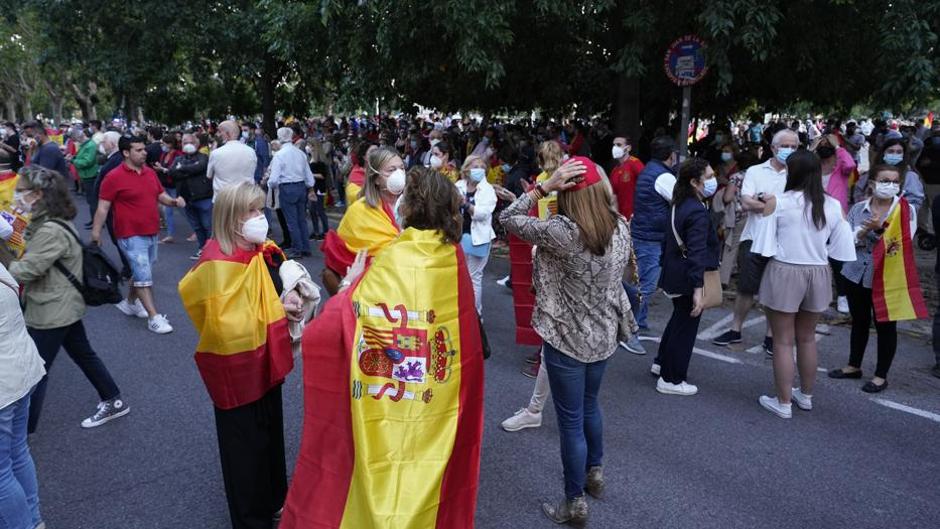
x=100, y=278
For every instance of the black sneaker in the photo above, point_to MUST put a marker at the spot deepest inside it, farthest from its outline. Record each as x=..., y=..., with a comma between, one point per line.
x=769, y=345
x=727, y=338
x=107, y=410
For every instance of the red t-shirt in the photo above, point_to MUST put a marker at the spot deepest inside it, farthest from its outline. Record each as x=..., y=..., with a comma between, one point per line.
x=133, y=198
x=623, y=181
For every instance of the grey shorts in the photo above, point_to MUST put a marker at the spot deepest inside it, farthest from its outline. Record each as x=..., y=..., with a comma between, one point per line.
x=792, y=288
x=750, y=269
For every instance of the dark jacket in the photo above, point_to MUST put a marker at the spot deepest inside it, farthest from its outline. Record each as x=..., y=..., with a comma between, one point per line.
x=649, y=207
x=189, y=174
x=682, y=274
x=113, y=161
x=49, y=156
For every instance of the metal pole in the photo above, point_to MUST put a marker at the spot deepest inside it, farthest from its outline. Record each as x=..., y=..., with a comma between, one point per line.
x=684, y=127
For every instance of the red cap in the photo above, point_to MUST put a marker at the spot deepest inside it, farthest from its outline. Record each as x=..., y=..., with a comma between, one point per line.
x=590, y=177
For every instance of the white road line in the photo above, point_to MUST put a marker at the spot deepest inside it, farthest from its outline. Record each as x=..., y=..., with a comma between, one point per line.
x=698, y=351
x=759, y=348
x=716, y=328
x=907, y=409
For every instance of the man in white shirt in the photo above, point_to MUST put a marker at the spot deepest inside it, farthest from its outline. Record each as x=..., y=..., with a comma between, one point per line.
x=232, y=163
x=292, y=179
x=761, y=182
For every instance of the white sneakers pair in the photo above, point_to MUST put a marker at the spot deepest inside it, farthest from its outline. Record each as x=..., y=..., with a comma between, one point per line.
x=158, y=324
x=785, y=411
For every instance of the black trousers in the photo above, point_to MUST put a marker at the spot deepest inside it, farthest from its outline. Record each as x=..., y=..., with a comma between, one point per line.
x=285, y=232
x=251, y=448
x=862, y=310
x=935, y=213
x=675, y=348
x=75, y=342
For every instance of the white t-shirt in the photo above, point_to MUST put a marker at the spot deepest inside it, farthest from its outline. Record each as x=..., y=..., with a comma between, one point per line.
x=799, y=242
x=761, y=178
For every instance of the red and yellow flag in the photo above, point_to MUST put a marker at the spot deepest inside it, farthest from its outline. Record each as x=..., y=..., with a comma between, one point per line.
x=895, y=286
x=393, y=397
x=362, y=227
x=244, y=347
x=7, y=185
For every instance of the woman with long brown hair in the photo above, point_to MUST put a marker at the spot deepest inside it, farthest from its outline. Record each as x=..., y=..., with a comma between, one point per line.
x=582, y=253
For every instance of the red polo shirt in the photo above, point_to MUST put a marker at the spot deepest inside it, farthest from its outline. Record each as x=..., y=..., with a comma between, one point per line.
x=133, y=198
x=623, y=181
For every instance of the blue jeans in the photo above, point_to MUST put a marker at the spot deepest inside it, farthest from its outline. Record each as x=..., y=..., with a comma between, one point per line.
x=633, y=294
x=141, y=252
x=649, y=261
x=575, y=386
x=321, y=223
x=294, y=206
x=19, y=491
x=199, y=214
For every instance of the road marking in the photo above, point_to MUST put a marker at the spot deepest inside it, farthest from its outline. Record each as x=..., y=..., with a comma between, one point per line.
x=699, y=351
x=716, y=328
x=760, y=347
x=907, y=409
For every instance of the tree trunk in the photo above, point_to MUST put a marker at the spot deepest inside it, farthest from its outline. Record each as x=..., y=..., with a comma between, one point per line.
x=28, y=109
x=86, y=100
x=10, y=110
x=57, y=103
x=268, y=85
x=627, y=107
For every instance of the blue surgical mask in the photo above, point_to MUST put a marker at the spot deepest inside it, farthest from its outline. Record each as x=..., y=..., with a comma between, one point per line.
x=414, y=144
x=477, y=174
x=893, y=158
x=711, y=185
x=727, y=156
x=506, y=167
x=783, y=153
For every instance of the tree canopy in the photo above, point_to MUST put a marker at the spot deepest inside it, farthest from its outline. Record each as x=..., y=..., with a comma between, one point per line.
x=173, y=60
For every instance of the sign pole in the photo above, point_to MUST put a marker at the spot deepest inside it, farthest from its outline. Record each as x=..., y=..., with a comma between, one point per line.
x=684, y=127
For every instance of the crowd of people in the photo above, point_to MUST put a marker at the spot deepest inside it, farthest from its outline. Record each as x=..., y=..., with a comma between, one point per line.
x=596, y=222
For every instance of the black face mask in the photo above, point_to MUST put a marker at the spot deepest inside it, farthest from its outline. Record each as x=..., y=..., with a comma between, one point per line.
x=826, y=151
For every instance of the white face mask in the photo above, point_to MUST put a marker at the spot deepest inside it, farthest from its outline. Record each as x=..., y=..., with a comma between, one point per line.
x=189, y=148
x=255, y=229
x=887, y=189
x=436, y=162
x=617, y=152
x=395, y=183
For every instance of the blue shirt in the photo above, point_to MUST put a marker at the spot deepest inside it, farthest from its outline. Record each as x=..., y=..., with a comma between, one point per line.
x=289, y=166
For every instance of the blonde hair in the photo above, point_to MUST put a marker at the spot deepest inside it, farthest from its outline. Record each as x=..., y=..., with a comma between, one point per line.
x=550, y=156
x=231, y=204
x=372, y=190
x=591, y=209
x=465, y=168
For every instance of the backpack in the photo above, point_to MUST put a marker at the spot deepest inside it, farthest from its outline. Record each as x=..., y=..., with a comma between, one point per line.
x=100, y=278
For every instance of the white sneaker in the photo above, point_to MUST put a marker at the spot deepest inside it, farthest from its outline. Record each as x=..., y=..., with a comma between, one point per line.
x=654, y=369
x=132, y=309
x=683, y=388
x=771, y=404
x=842, y=304
x=521, y=420
x=159, y=324
x=802, y=400
x=504, y=282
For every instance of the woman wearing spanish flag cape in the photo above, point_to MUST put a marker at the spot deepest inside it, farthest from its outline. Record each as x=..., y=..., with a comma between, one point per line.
x=369, y=223
x=244, y=350
x=393, y=384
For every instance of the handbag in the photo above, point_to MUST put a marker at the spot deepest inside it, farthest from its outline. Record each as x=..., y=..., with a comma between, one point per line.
x=711, y=286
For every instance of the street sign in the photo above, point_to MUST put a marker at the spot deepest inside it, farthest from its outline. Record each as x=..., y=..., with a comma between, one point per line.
x=685, y=61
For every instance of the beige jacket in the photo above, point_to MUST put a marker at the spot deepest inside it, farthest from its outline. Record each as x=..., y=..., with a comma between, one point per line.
x=51, y=300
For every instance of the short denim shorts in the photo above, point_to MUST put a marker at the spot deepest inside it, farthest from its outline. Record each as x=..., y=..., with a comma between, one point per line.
x=141, y=252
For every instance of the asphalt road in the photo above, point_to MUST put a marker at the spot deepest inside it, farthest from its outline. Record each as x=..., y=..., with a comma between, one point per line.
x=713, y=460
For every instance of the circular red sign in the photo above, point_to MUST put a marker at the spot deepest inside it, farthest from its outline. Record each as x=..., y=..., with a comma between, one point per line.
x=685, y=60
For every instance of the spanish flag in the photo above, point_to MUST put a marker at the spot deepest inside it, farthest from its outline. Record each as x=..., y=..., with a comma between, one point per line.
x=393, y=397
x=362, y=227
x=895, y=286
x=7, y=185
x=244, y=347
x=357, y=179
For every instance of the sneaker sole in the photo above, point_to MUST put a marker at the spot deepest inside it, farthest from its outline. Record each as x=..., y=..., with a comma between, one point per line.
x=724, y=343
x=775, y=411
x=168, y=331
x=125, y=411
x=520, y=427
x=673, y=392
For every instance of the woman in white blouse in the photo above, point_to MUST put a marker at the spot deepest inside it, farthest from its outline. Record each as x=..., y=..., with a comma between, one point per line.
x=20, y=370
x=802, y=229
x=479, y=202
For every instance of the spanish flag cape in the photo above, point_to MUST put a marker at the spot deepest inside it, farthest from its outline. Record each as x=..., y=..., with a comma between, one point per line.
x=362, y=227
x=244, y=347
x=895, y=286
x=7, y=185
x=393, y=397
x=357, y=179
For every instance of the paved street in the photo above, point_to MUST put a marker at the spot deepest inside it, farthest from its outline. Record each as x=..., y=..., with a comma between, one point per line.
x=713, y=460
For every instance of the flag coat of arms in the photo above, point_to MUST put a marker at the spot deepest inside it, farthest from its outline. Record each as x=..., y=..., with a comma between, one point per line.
x=362, y=227
x=393, y=397
x=896, y=293
x=244, y=346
